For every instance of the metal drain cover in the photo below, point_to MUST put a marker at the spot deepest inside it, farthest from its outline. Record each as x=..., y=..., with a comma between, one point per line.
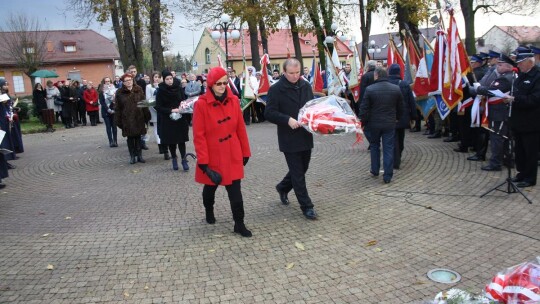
x=445, y=276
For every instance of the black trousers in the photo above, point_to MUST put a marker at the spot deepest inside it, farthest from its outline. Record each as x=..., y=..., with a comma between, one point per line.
x=497, y=142
x=298, y=163
x=399, y=145
x=526, y=147
x=234, y=192
x=181, y=147
x=466, y=136
x=480, y=140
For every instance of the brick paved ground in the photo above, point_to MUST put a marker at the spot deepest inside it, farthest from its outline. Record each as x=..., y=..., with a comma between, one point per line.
x=116, y=232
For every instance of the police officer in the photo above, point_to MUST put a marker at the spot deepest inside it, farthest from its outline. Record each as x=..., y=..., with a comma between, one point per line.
x=524, y=120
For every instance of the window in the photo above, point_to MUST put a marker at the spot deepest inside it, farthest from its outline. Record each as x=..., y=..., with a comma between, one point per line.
x=50, y=46
x=275, y=67
x=37, y=80
x=70, y=48
x=207, y=56
x=28, y=50
x=18, y=82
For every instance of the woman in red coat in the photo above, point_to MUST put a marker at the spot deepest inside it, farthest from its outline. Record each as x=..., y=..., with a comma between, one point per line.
x=90, y=96
x=222, y=146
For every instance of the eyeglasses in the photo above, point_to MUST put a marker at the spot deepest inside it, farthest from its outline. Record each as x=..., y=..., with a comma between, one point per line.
x=107, y=81
x=218, y=84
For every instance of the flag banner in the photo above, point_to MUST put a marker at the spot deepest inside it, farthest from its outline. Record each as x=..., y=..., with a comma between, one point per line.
x=455, y=66
x=245, y=103
x=393, y=56
x=354, y=80
x=422, y=85
x=442, y=107
x=435, y=78
x=333, y=83
x=248, y=91
x=426, y=105
x=264, y=84
x=318, y=84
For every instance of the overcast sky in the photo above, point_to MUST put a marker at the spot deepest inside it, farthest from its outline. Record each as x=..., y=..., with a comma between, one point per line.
x=184, y=41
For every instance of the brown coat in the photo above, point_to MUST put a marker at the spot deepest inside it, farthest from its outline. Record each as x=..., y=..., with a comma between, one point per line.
x=128, y=117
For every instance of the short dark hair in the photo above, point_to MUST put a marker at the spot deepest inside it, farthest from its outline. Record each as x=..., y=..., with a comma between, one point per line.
x=381, y=72
x=276, y=71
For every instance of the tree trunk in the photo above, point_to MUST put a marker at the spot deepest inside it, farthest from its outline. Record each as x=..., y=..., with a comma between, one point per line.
x=468, y=16
x=294, y=33
x=155, y=35
x=327, y=15
x=138, y=35
x=264, y=36
x=115, y=19
x=128, y=36
x=314, y=16
x=365, y=27
x=254, y=42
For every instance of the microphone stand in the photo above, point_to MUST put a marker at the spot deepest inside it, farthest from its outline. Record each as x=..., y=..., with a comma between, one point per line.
x=509, y=154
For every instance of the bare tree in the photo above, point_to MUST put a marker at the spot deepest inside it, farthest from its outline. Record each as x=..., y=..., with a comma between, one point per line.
x=25, y=43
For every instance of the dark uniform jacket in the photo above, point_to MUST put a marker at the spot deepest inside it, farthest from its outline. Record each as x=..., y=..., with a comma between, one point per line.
x=526, y=106
x=409, y=103
x=382, y=105
x=497, y=112
x=284, y=101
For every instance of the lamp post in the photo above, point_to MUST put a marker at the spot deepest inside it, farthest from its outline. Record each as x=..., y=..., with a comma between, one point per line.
x=373, y=48
x=225, y=25
x=335, y=32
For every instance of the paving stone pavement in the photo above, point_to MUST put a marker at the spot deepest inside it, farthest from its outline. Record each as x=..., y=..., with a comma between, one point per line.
x=120, y=233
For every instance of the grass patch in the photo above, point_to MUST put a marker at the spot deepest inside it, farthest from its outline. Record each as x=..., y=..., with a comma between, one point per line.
x=32, y=125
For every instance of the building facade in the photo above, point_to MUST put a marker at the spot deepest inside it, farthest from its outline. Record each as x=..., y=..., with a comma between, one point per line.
x=73, y=54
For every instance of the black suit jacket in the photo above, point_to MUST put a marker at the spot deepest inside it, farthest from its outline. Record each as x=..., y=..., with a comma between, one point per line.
x=285, y=100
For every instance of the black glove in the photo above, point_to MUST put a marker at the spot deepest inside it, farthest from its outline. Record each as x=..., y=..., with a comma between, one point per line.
x=213, y=175
x=246, y=159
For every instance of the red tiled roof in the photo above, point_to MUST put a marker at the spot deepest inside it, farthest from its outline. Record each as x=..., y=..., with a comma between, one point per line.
x=90, y=46
x=523, y=34
x=279, y=45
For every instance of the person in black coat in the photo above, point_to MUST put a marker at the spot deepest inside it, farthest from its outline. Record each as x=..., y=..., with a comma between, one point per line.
x=380, y=109
x=285, y=98
x=409, y=111
x=173, y=131
x=366, y=80
x=524, y=120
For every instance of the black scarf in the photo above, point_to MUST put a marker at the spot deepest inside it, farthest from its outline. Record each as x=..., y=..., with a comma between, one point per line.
x=170, y=91
x=220, y=98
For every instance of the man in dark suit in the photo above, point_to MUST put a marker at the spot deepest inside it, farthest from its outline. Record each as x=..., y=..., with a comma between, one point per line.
x=285, y=98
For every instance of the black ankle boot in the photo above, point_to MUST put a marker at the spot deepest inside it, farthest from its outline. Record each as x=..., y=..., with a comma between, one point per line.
x=241, y=229
x=210, y=219
x=166, y=156
x=140, y=158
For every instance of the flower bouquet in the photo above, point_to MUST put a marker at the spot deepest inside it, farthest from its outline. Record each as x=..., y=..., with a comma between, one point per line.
x=329, y=115
x=187, y=105
x=517, y=284
x=147, y=103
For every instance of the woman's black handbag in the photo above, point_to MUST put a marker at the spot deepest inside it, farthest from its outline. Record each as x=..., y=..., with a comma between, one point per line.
x=58, y=101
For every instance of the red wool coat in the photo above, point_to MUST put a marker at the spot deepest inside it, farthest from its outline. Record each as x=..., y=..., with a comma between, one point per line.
x=91, y=100
x=220, y=138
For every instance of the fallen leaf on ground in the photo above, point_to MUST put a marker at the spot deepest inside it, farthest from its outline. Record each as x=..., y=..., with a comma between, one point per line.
x=299, y=246
x=419, y=283
x=211, y=250
x=126, y=294
x=52, y=173
x=45, y=235
x=135, y=171
x=428, y=207
x=378, y=249
x=146, y=287
x=218, y=235
x=68, y=217
x=290, y=265
x=50, y=267
x=371, y=243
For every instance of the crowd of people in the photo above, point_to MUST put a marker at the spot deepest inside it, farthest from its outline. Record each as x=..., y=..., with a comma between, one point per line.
x=386, y=108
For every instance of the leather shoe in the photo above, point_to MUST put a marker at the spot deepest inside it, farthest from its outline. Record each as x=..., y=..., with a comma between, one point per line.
x=10, y=166
x=435, y=135
x=451, y=139
x=524, y=184
x=516, y=179
x=460, y=150
x=476, y=158
x=310, y=214
x=283, y=196
x=491, y=168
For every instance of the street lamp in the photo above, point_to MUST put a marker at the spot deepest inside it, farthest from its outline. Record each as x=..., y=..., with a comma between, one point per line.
x=225, y=25
x=335, y=32
x=373, y=48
